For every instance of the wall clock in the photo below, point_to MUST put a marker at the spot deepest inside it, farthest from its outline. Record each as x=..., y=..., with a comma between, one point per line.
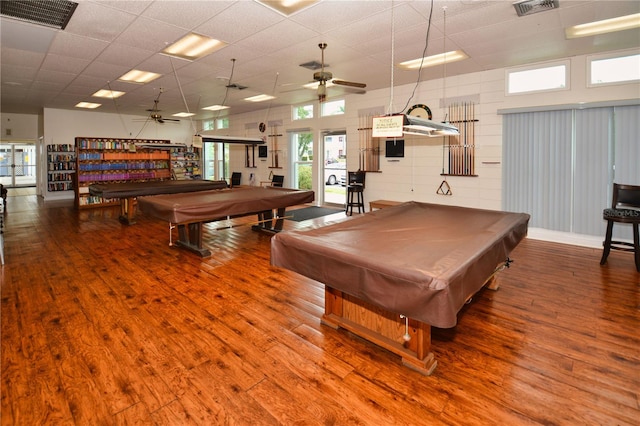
x=420, y=110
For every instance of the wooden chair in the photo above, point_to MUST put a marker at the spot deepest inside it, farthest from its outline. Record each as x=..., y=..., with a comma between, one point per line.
x=277, y=181
x=355, y=192
x=625, y=208
x=236, y=178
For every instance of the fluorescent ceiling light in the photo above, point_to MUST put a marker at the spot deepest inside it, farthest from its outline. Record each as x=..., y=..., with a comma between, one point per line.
x=259, y=98
x=193, y=46
x=89, y=105
x=601, y=27
x=433, y=60
x=110, y=94
x=183, y=114
x=215, y=107
x=137, y=76
x=287, y=7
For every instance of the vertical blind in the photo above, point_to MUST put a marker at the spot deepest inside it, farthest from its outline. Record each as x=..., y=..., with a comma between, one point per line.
x=559, y=166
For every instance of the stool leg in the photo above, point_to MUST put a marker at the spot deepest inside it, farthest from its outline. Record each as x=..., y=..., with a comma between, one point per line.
x=636, y=245
x=607, y=243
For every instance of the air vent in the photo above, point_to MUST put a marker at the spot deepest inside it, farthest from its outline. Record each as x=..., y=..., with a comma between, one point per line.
x=49, y=13
x=236, y=86
x=313, y=65
x=528, y=7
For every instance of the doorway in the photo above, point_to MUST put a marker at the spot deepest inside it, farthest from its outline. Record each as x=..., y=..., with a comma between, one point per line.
x=334, y=169
x=18, y=166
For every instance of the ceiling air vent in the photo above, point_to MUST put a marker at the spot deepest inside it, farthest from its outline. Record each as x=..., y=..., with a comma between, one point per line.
x=49, y=13
x=313, y=65
x=528, y=7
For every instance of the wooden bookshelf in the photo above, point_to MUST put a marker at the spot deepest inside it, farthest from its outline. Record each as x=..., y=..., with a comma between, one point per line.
x=185, y=163
x=108, y=160
x=61, y=167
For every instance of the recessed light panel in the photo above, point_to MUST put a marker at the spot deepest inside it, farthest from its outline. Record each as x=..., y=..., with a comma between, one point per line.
x=215, y=107
x=193, y=46
x=287, y=7
x=606, y=26
x=433, y=60
x=137, y=76
x=259, y=98
x=109, y=94
x=89, y=105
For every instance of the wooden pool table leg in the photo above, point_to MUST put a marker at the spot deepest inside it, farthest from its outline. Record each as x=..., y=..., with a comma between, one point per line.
x=382, y=328
x=190, y=238
x=128, y=210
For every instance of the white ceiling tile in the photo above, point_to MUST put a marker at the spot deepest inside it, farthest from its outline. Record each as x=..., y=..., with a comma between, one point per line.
x=64, y=64
x=186, y=14
x=77, y=46
x=96, y=21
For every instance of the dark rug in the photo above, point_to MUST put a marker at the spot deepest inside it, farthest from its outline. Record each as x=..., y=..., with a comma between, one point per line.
x=306, y=213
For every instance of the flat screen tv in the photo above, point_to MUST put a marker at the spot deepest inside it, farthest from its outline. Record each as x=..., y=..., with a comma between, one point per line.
x=394, y=148
x=262, y=152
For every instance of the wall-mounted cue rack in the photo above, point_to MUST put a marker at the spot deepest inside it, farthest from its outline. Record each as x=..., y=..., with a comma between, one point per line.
x=275, y=151
x=369, y=147
x=460, y=150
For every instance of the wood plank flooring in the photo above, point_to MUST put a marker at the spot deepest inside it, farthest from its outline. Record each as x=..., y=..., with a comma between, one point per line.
x=105, y=324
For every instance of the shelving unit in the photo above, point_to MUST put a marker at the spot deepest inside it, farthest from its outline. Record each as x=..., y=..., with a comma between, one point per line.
x=61, y=167
x=107, y=160
x=185, y=163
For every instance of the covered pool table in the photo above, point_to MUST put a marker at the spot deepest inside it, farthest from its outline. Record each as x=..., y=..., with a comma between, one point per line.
x=393, y=273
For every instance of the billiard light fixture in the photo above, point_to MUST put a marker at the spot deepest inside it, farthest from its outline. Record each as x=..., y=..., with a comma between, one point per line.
x=620, y=23
x=193, y=46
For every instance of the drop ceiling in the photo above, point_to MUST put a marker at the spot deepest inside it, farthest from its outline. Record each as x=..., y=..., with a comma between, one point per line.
x=51, y=68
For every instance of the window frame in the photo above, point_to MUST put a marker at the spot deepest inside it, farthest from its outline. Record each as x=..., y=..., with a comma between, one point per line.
x=538, y=67
x=604, y=56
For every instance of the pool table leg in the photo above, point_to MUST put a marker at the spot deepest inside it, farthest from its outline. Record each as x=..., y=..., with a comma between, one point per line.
x=128, y=210
x=382, y=328
x=190, y=238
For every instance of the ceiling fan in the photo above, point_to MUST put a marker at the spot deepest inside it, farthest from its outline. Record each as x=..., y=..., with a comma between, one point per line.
x=322, y=77
x=155, y=112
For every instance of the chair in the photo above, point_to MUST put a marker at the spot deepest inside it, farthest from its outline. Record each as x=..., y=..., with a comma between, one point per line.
x=236, y=178
x=355, y=192
x=625, y=208
x=3, y=194
x=277, y=181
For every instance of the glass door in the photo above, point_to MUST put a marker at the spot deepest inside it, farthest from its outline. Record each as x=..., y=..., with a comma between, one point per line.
x=302, y=160
x=18, y=164
x=215, y=160
x=334, y=147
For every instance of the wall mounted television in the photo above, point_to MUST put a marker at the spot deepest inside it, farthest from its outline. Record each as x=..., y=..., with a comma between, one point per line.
x=262, y=152
x=394, y=148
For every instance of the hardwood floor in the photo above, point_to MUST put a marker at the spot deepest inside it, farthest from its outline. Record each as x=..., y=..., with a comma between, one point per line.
x=105, y=324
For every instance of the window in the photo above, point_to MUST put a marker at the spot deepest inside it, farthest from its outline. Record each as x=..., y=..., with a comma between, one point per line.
x=222, y=123
x=301, y=112
x=541, y=78
x=207, y=125
x=333, y=108
x=613, y=69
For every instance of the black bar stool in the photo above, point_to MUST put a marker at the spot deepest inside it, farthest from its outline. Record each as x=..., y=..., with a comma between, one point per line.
x=625, y=208
x=355, y=192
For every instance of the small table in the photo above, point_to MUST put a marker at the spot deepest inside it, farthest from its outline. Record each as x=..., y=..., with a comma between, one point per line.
x=380, y=204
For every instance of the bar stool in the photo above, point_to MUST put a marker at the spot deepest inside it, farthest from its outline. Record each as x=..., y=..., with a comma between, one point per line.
x=625, y=208
x=355, y=192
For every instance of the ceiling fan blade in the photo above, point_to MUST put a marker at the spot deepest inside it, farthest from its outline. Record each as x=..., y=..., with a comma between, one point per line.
x=349, y=83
